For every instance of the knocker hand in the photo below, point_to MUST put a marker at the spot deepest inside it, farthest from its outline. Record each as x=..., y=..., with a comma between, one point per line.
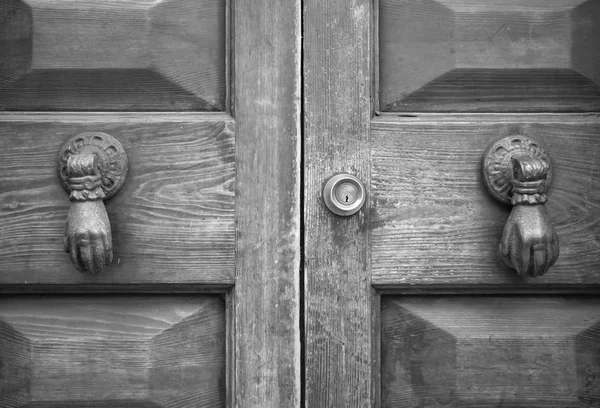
x=529, y=243
x=87, y=236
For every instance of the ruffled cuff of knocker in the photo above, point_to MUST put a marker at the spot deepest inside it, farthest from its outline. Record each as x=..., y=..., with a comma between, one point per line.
x=86, y=188
x=529, y=192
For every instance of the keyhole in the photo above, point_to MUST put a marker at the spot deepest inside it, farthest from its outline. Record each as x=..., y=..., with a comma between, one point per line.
x=344, y=194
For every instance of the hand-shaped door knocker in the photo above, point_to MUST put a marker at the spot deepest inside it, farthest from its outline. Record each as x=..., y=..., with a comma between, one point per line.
x=92, y=167
x=517, y=171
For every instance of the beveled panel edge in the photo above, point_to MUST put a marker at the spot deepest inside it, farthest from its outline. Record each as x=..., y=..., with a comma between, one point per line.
x=113, y=117
x=229, y=58
x=376, y=360
x=223, y=288
x=374, y=51
x=382, y=119
x=383, y=288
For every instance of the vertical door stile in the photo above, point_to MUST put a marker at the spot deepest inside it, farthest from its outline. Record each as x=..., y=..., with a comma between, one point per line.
x=266, y=295
x=337, y=69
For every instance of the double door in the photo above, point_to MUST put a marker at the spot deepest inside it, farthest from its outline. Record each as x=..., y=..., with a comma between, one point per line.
x=232, y=283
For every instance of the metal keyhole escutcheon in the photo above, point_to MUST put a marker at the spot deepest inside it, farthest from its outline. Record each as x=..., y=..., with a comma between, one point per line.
x=344, y=194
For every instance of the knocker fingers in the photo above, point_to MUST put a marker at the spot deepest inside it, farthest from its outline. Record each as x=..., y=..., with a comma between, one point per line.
x=533, y=257
x=66, y=245
x=86, y=253
x=73, y=251
x=506, y=248
x=520, y=252
x=544, y=253
x=107, y=245
x=539, y=256
x=100, y=255
x=89, y=252
x=553, y=249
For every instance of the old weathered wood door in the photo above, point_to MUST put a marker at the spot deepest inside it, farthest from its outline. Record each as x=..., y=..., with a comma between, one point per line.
x=200, y=307
x=407, y=303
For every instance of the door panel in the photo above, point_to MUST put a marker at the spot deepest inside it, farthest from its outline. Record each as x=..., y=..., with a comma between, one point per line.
x=107, y=351
x=485, y=351
x=434, y=222
x=178, y=200
x=429, y=225
x=211, y=203
x=90, y=56
x=497, y=56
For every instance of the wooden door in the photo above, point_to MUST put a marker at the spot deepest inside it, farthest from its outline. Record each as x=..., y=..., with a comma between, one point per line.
x=407, y=303
x=200, y=306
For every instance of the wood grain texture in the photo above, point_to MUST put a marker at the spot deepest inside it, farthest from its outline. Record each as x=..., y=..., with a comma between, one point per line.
x=113, y=55
x=337, y=69
x=490, y=351
x=267, y=105
x=497, y=56
x=173, y=221
x=434, y=223
x=112, y=351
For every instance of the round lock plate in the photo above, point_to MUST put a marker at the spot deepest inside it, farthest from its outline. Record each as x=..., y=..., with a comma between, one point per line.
x=344, y=194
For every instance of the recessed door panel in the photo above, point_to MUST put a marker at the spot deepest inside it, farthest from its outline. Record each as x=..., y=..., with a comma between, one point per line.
x=112, y=351
x=108, y=55
x=493, y=56
x=489, y=351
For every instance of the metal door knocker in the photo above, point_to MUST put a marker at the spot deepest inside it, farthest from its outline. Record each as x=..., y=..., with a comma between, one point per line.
x=517, y=171
x=92, y=167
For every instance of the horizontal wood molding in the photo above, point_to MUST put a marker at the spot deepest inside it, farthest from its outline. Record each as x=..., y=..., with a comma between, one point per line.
x=114, y=117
